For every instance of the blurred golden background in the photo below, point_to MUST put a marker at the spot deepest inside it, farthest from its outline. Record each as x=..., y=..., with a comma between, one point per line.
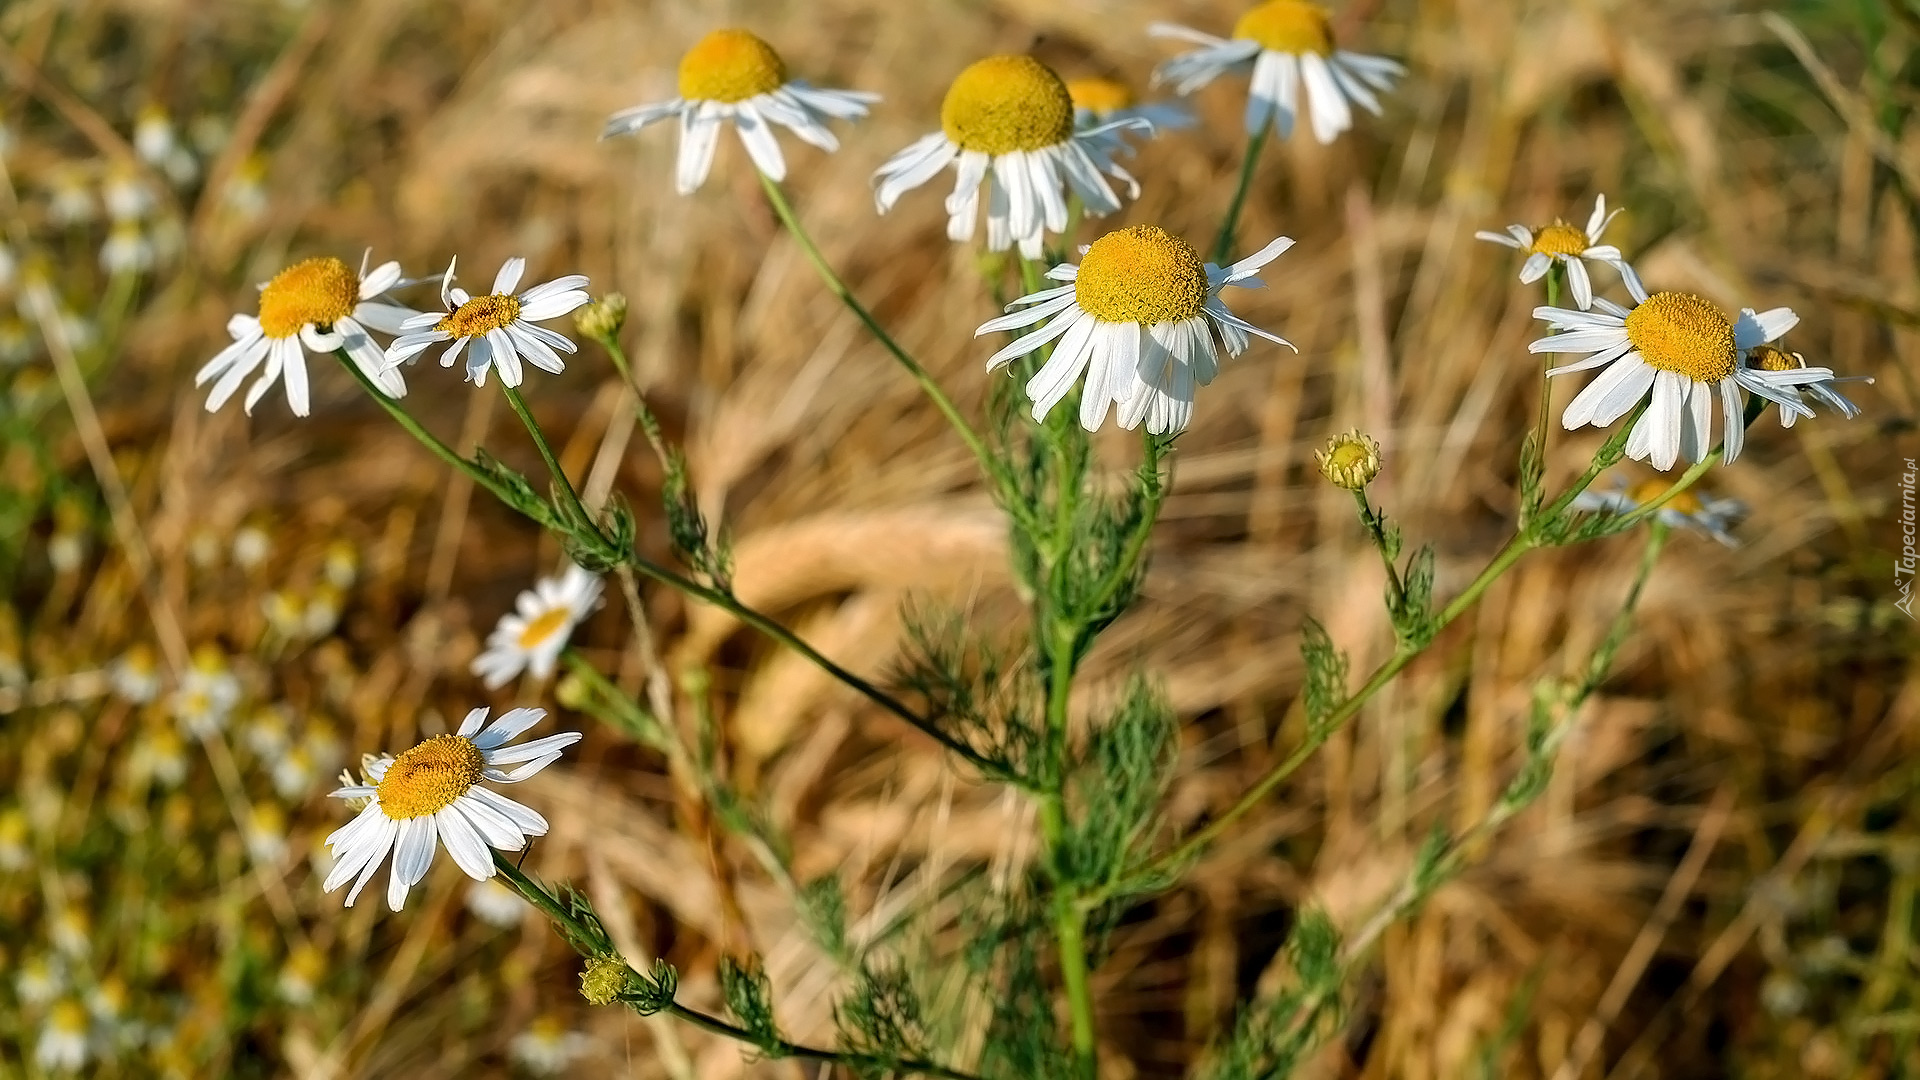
x=1721, y=881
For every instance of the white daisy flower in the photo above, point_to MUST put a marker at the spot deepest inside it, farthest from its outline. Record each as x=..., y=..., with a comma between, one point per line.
x=1770, y=358
x=127, y=250
x=266, y=833
x=301, y=975
x=135, y=676
x=1289, y=44
x=431, y=794
x=499, y=326
x=531, y=637
x=63, y=1038
x=153, y=135
x=547, y=1047
x=207, y=694
x=1687, y=510
x=733, y=75
x=1133, y=318
x=495, y=904
x=1008, y=123
x=69, y=197
x=1684, y=351
x=1099, y=102
x=322, y=305
x=159, y=757
x=40, y=979
x=1569, y=246
x=126, y=195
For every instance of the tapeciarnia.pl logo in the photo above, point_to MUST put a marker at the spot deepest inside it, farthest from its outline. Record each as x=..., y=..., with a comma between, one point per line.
x=1904, y=563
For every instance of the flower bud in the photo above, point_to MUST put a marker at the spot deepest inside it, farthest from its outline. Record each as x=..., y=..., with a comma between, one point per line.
x=603, y=979
x=1351, y=460
x=602, y=319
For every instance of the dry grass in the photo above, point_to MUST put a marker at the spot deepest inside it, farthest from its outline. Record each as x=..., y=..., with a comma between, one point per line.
x=1732, y=804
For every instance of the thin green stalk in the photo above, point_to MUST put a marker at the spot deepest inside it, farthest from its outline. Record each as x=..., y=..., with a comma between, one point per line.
x=1523, y=540
x=1069, y=914
x=1377, y=532
x=1687, y=479
x=661, y=574
x=576, y=932
x=1223, y=244
x=839, y=288
x=413, y=427
x=560, y=481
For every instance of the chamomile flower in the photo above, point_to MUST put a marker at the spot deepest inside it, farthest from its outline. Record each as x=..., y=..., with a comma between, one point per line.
x=1133, y=318
x=1099, y=101
x=531, y=637
x=301, y=975
x=207, y=694
x=495, y=904
x=1685, y=352
x=733, y=75
x=69, y=197
x=547, y=1047
x=158, y=757
x=126, y=195
x=1008, y=123
x=135, y=676
x=1289, y=45
x=320, y=304
x=40, y=979
x=1571, y=247
x=266, y=833
x=63, y=1038
x=127, y=250
x=497, y=329
x=431, y=794
x=153, y=137
x=1687, y=510
x=1771, y=358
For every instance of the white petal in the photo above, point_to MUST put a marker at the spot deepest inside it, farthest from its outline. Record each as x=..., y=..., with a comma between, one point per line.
x=761, y=146
x=699, y=133
x=507, y=727
x=463, y=841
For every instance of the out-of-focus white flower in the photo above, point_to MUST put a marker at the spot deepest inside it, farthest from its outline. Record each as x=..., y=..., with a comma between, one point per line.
x=39, y=979
x=71, y=931
x=1567, y=245
x=135, y=676
x=126, y=195
x=1698, y=512
x=547, y=1047
x=266, y=833
x=301, y=975
x=530, y=637
x=63, y=1038
x=159, y=756
x=495, y=330
x=69, y=197
x=207, y=694
x=127, y=250
x=495, y=904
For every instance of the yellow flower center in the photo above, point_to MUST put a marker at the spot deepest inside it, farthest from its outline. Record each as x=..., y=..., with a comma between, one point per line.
x=1007, y=103
x=1141, y=275
x=427, y=778
x=68, y=1018
x=730, y=66
x=480, y=314
x=315, y=292
x=1648, y=490
x=1287, y=26
x=1099, y=95
x=544, y=627
x=1560, y=238
x=1684, y=334
x=1768, y=358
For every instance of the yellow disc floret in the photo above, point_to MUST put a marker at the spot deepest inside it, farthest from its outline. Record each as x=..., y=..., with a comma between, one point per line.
x=1007, y=103
x=1141, y=275
x=1684, y=334
x=1647, y=491
x=1768, y=358
x=1560, y=238
x=482, y=313
x=427, y=778
x=1099, y=96
x=729, y=66
x=314, y=292
x=1287, y=26
x=543, y=627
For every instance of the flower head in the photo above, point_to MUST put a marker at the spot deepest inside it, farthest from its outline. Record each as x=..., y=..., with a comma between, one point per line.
x=207, y=694
x=1771, y=358
x=63, y=1038
x=548, y=1047
x=496, y=329
x=1007, y=123
x=1351, y=460
x=1687, y=510
x=321, y=304
x=1099, y=101
x=732, y=75
x=1683, y=351
x=1289, y=46
x=135, y=676
x=430, y=794
x=1134, y=319
x=1571, y=247
x=531, y=636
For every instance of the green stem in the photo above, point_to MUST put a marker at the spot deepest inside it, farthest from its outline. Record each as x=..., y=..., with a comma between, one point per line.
x=560, y=481
x=1069, y=912
x=839, y=288
x=1223, y=244
x=1376, y=527
x=1523, y=540
x=694, y=589
x=579, y=934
